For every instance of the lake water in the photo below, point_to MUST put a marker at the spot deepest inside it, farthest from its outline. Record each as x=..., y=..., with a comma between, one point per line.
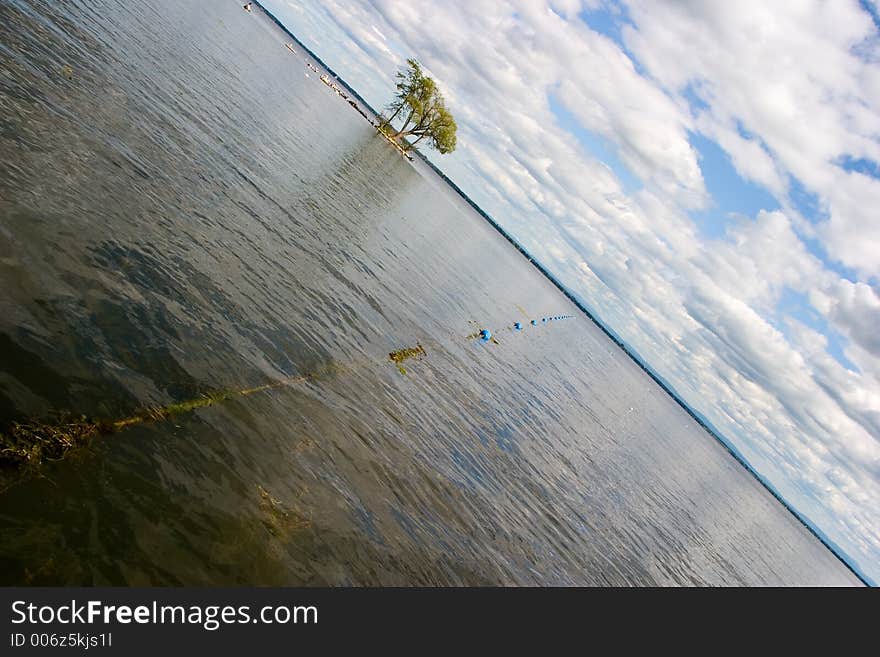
x=184, y=207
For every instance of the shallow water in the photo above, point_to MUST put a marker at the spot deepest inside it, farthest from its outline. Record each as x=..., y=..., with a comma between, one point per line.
x=184, y=207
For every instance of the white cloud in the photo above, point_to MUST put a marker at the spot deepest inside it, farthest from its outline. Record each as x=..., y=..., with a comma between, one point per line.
x=855, y=307
x=789, y=74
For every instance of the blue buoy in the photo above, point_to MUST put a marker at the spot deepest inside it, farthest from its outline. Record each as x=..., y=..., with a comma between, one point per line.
x=517, y=326
x=544, y=320
x=534, y=323
x=485, y=335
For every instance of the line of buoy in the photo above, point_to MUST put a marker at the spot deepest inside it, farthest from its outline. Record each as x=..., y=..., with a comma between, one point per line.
x=28, y=442
x=485, y=334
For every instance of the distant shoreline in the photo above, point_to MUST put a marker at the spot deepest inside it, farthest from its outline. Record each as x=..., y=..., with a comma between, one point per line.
x=358, y=98
x=629, y=351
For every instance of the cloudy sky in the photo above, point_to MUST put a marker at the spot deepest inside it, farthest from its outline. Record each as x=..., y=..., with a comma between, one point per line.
x=704, y=175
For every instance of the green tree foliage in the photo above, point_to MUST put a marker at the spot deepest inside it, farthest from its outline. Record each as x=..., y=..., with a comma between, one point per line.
x=419, y=100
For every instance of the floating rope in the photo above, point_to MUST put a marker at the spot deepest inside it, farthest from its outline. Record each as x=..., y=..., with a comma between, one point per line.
x=26, y=444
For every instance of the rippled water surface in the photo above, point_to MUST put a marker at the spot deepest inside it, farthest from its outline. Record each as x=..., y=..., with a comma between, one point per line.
x=184, y=208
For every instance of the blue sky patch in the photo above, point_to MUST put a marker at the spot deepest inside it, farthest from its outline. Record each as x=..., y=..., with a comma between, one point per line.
x=806, y=202
x=872, y=12
x=604, y=22
x=731, y=193
x=610, y=24
x=695, y=102
x=859, y=165
x=795, y=304
x=818, y=249
x=595, y=144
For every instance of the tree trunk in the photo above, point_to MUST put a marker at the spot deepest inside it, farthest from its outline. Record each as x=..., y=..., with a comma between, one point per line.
x=406, y=123
x=393, y=116
x=414, y=131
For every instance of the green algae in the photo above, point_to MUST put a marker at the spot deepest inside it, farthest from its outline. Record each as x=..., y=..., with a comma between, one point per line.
x=33, y=441
x=279, y=519
x=26, y=444
x=405, y=354
x=401, y=355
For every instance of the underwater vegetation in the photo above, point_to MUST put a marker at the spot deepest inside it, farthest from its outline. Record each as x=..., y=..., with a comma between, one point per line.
x=279, y=519
x=27, y=443
x=33, y=441
x=397, y=357
x=404, y=354
x=30, y=442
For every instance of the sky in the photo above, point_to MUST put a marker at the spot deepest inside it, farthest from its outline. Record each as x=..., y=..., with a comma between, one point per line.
x=704, y=175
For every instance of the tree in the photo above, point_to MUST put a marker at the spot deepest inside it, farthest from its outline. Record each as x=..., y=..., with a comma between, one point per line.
x=419, y=99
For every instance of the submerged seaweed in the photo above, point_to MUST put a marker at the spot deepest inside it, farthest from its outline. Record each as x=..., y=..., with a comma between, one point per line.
x=34, y=441
x=404, y=354
x=279, y=519
x=28, y=443
x=399, y=356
